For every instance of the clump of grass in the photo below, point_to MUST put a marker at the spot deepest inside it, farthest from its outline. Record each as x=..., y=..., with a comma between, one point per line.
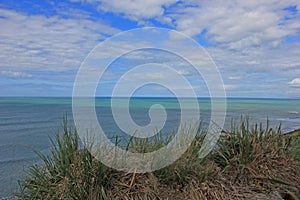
x=256, y=155
x=70, y=172
x=188, y=166
x=294, y=138
x=249, y=161
x=241, y=145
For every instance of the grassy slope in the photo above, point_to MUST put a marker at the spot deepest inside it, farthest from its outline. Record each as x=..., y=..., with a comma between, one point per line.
x=250, y=162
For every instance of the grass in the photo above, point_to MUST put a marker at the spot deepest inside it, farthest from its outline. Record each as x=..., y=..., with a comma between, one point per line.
x=295, y=146
x=70, y=172
x=243, y=144
x=249, y=162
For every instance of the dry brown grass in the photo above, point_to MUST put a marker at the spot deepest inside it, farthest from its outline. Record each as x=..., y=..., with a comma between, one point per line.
x=272, y=178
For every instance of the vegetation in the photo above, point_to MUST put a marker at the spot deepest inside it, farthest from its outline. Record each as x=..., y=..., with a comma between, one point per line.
x=249, y=162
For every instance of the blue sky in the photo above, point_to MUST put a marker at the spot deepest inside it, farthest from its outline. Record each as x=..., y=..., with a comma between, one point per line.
x=255, y=44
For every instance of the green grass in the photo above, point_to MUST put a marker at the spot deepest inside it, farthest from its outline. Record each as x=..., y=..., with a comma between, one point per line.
x=295, y=148
x=248, y=159
x=70, y=172
x=243, y=143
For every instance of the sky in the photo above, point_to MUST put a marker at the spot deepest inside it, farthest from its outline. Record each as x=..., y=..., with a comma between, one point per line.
x=254, y=44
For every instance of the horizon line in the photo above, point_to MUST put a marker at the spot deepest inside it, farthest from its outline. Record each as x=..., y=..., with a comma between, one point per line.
x=163, y=97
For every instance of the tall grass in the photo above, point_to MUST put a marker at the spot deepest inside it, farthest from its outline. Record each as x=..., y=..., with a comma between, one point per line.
x=258, y=155
x=295, y=147
x=70, y=172
x=243, y=143
x=188, y=166
x=246, y=155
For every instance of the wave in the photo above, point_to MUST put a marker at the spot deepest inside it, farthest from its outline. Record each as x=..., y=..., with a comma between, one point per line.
x=293, y=112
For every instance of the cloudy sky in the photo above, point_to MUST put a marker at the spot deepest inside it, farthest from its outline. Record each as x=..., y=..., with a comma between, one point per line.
x=255, y=44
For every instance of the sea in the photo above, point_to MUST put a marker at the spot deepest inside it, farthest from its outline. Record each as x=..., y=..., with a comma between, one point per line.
x=28, y=123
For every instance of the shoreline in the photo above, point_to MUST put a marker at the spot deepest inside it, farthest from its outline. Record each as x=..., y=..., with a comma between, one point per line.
x=293, y=133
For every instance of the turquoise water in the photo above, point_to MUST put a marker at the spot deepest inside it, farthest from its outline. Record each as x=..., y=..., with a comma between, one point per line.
x=29, y=122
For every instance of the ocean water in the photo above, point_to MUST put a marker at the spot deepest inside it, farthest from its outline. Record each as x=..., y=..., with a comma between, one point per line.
x=27, y=123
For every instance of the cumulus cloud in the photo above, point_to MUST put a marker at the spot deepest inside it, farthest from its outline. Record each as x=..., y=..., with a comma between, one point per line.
x=239, y=24
x=53, y=44
x=266, y=69
x=134, y=9
x=295, y=82
x=245, y=39
x=233, y=24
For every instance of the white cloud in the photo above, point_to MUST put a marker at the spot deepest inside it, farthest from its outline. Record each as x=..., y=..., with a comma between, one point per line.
x=232, y=24
x=15, y=74
x=238, y=24
x=264, y=68
x=134, y=9
x=295, y=82
x=154, y=76
x=229, y=87
x=254, y=28
x=183, y=72
x=52, y=44
x=234, y=77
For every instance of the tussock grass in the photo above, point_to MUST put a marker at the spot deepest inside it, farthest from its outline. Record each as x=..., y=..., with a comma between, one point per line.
x=70, y=172
x=295, y=145
x=249, y=162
